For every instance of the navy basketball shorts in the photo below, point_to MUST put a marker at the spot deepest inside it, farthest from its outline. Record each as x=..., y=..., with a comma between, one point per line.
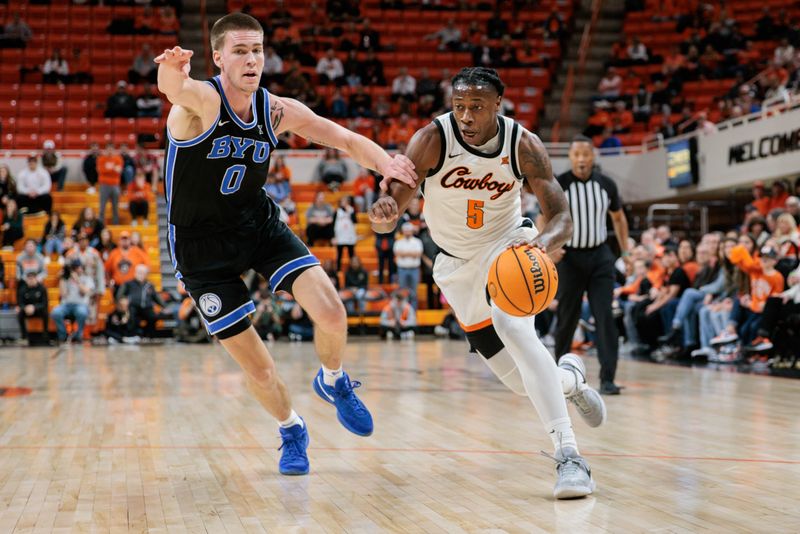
x=211, y=268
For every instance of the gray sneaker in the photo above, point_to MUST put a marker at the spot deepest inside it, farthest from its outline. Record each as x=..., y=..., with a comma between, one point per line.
x=574, y=476
x=587, y=401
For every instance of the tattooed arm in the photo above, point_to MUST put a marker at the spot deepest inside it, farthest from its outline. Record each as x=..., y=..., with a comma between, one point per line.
x=288, y=114
x=535, y=165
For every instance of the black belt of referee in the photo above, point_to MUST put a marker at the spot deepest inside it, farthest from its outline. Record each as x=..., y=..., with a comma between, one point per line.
x=526, y=223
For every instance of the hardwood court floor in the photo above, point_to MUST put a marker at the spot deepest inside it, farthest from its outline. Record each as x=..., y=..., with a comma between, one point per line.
x=165, y=439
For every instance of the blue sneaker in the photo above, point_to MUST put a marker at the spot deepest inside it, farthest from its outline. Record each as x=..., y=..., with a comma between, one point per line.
x=351, y=412
x=294, y=460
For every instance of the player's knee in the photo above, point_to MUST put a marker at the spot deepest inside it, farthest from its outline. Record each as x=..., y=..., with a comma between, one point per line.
x=263, y=377
x=331, y=315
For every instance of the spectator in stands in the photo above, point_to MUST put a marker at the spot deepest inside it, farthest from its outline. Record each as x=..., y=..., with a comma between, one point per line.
x=139, y=198
x=344, y=230
x=760, y=199
x=12, y=224
x=299, y=325
x=75, y=288
x=330, y=69
x=149, y=104
x=53, y=164
x=400, y=132
x=371, y=73
x=147, y=163
x=507, y=53
x=332, y=171
x=33, y=188
x=89, y=167
x=637, y=52
x=109, y=172
x=449, y=37
x=319, y=220
x=610, y=141
x=143, y=297
x=31, y=260
x=496, y=27
x=356, y=280
x=404, y=89
x=368, y=37
x=137, y=242
x=55, y=69
x=123, y=260
x=145, y=22
x=119, y=327
x=705, y=126
x=364, y=190
x=121, y=103
x=88, y=224
x=784, y=53
x=295, y=84
x=765, y=26
x=686, y=259
x=483, y=55
x=278, y=187
x=779, y=195
x=642, y=103
x=657, y=314
x=268, y=317
x=16, y=33
x=360, y=103
x=610, y=86
x=8, y=187
x=128, y=165
x=94, y=269
x=106, y=244
x=168, y=23
x=32, y=303
x=273, y=67
x=554, y=26
x=793, y=208
x=143, y=68
x=398, y=318
x=280, y=17
x=54, y=234
x=408, y=255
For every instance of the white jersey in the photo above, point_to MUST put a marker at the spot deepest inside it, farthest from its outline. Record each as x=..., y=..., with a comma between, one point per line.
x=472, y=199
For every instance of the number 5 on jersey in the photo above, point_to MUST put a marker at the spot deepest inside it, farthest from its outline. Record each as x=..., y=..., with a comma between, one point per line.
x=232, y=179
x=474, y=214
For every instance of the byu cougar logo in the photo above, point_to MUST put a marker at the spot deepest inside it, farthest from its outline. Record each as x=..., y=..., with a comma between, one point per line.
x=210, y=304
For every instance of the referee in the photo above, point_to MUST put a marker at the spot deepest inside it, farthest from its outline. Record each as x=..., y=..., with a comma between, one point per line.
x=588, y=262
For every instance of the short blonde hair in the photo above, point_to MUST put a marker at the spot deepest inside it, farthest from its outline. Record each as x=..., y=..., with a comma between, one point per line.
x=232, y=22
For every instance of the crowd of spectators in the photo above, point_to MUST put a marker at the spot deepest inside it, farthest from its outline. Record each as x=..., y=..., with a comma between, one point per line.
x=715, y=48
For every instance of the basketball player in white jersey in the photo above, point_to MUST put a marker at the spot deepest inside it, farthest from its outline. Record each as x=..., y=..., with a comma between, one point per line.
x=471, y=164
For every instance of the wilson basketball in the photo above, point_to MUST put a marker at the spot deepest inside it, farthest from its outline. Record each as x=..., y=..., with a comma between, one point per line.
x=522, y=281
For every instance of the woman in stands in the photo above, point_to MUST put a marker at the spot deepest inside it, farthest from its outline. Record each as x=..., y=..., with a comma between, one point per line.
x=8, y=187
x=54, y=234
x=89, y=224
x=106, y=244
x=12, y=224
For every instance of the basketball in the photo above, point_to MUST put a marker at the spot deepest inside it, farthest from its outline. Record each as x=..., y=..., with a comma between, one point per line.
x=522, y=281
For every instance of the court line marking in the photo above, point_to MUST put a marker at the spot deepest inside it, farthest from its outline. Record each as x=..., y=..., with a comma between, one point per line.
x=406, y=450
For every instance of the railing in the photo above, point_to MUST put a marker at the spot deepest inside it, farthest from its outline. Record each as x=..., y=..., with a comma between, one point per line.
x=575, y=71
x=206, y=39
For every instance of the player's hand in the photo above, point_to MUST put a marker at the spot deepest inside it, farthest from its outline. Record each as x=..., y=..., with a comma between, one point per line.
x=398, y=168
x=177, y=58
x=384, y=210
x=529, y=244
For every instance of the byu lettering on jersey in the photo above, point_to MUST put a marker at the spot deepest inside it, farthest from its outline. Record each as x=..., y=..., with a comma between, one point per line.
x=221, y=221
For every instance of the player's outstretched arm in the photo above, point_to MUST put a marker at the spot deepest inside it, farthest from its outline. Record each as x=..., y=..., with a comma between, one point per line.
x=174, y=81
x=423, y=151
x=289, y=114
x=535, y=166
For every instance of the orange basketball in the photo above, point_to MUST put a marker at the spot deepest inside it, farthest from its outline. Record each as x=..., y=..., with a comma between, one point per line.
x=522, y=281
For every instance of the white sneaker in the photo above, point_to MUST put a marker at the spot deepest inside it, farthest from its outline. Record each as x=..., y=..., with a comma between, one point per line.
x=440, y=331
x=389, y=335
x=587, y=401
x=574, y=475
x=703, y=351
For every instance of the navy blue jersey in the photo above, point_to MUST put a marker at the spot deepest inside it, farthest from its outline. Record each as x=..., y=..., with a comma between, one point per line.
x=214, y=182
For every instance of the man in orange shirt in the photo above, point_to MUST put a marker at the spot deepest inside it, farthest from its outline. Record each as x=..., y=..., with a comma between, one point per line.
x=779, y=196
x=122, y=261
x=109, y=174
x=400, y=132
x=760, y=199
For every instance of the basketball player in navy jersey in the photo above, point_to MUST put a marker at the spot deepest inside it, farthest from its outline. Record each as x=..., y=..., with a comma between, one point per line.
x=471, y=164
x=221, y=133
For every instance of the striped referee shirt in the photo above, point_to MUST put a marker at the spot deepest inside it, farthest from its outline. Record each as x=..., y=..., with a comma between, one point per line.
x=589, y=203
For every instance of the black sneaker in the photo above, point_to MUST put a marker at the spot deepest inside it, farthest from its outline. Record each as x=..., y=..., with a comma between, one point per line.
x=671, y=338
x=610, y=388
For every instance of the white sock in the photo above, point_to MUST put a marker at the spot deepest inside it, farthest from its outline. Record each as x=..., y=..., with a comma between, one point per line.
x=293, y=419
x=330, y=376
x=539, y=373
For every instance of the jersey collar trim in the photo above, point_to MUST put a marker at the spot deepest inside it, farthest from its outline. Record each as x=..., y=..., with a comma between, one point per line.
x=501, y=124
x=243, y=125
